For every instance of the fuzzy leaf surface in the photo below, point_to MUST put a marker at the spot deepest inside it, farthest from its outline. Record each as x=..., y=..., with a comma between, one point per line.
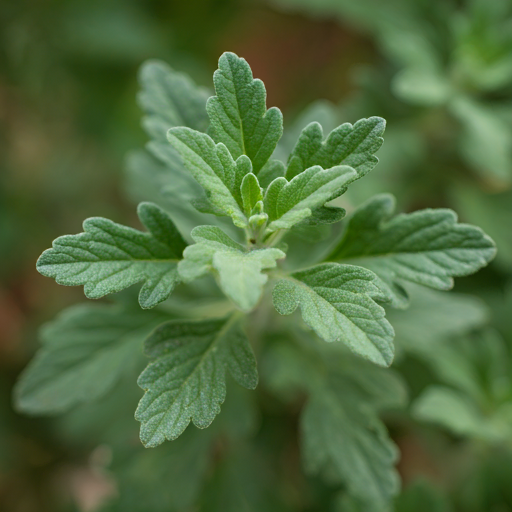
x=187, y=379
x=84, y=353
x=213, y=167
x=427, y=247
x=238, y=113
x=352, y=145
x=290, y=202
x=338, y=303
x=239, y=271
x=108, y=257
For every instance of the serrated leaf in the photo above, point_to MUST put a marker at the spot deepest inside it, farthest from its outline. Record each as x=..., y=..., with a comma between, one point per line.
x=85, y=350
x=427, y=247
x=338, y=303
x=348, y=438
x=187, y=379
x=239, y=270
x=238, y=113
x=169, y=98
x=108, y=257
x=288, y=203
x=213, y=167
x=351, y=145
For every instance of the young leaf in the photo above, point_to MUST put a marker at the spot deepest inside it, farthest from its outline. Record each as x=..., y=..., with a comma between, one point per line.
x=108, y=257
x=427, y=247
x=186, y=381
x=346, y=145
x=251, y=193
x=288, y=203
x=240, y=271
x=85, y=351
x=338, y=303
x=338, y=432
x=238, y=114
x=214, y=169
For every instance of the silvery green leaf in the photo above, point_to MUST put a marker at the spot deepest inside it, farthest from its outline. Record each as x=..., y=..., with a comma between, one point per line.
x=351, y=145
x=239, y=270
x=290, y=202
x=427, y=247
x=213, y=167
x=108, y=257
x=251, y=193
x=338, y=303
x=238, y=113
x=187, y=379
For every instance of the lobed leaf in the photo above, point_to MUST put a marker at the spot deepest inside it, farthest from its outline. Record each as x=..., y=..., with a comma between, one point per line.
x=186, y=381
x=108, y=257
x=213, y=167
x=84, y=353
x=338, y=303
x=427, y=247
x=239, y=270
x=288, y=203
x=238, y=114
x=352, y=145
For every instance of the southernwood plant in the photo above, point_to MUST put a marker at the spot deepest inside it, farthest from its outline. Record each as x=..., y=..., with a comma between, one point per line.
x=264, y=269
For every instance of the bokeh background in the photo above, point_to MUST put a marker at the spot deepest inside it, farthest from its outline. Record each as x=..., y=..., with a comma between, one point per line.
x=439, y=71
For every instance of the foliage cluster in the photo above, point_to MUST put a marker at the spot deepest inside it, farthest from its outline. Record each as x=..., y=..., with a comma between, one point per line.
x=233, y=232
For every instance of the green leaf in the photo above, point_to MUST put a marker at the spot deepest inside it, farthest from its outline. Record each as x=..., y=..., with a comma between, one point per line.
x=186, y=381
x=454, y=314
x=169, y=98
x=251, y=193
x=338, y=303
x=288, y=203
x=343, y=435
x=85, y=351
x=214, y=169
x=108, y=257
x=455, y=411
x=352, y=145
x=239, y=270
x=270, y=171
x=238, y=114
x=427, y=247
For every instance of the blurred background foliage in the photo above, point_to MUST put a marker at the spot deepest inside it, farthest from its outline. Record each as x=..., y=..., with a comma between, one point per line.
x=439, y=71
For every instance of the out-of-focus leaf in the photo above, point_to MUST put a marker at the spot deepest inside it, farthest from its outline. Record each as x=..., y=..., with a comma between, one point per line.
x=85, y=351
